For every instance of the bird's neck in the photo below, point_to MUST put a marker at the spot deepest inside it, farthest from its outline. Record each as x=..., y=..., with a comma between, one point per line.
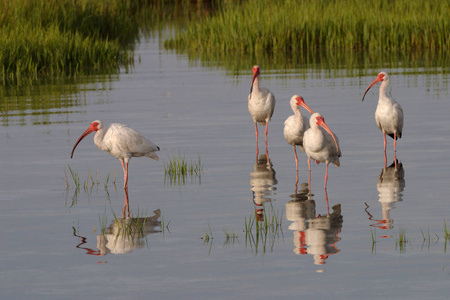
x=98, y=138
x=298, y=113
x=256, y=86
x=383, y=88
x=384, y=95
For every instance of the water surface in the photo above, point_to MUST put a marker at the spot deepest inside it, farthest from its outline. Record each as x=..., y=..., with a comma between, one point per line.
x=53, y=245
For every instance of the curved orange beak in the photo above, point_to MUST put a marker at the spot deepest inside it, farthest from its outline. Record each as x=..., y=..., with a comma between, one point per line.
x=302, y=103
x=378, y=79
x=91, y=128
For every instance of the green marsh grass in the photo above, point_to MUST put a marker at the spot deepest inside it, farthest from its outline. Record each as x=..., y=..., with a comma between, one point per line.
x=292, y=32
x=401, y=241
x=207, y=235
x=164, y=226
x=89, y=182
x=48, y=38
x=103, y=220
x=446, y=235
x=132, y=227
x=208, y=238
x=230, y=237
x=177, y=169
x=428, y=238
x=43, y=38
x=262, y=234
x=75, y=177
x=374, y=239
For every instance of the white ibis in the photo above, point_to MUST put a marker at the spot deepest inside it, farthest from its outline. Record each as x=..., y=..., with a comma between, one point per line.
x=261, y=104
x=296, y=125
x=389, y=114
x=121, y=142
x=321, y=146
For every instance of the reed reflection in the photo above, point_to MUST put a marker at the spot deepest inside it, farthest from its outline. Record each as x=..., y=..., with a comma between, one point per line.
x=316, y=235
x=263, y=181
x=391, y=183
x=123, y=234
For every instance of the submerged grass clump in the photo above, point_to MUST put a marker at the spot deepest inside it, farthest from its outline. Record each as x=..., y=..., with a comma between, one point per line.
x=207, y=235
x=401, y=241
x=429, y=239
x=89, y=182
x=177, y=169
x=132, y=227
x=295, y=28
x=263, y=231
x=230, y=237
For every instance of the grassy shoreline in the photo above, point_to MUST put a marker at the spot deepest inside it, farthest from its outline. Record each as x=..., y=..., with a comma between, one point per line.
x=293, y=28
x=41, y=38
x=68, y=38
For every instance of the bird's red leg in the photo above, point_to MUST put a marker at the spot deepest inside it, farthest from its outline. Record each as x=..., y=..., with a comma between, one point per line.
x=385, y=157
x=127, y=200
x=126, y=207
x=395, y=142
x=395, y=149
x=326, y=199
x=296, y=159
x=309, y=179
x=126, y=180
x=125, y=174
x=326, y=177
x=265, y=133
x=257, y=149
x=395, y=160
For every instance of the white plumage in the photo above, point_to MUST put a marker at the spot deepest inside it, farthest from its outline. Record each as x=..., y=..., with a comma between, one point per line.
x=121, y=142
x=261, y=103
x=389, y=114
x=296, y=125
x=321, y=145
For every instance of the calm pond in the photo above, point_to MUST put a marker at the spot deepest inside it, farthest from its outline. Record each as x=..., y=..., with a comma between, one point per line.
x=197, y=239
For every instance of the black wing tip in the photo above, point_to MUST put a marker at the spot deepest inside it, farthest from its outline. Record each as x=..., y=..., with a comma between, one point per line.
x=399, y=135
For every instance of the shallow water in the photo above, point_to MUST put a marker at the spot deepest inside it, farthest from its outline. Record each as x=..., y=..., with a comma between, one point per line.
x=53, y=245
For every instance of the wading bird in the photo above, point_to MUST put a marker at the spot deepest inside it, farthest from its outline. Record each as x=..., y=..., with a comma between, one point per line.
x=261, y=104
x=320, y=145
x=389, y=114
x=296, y=125
x=120, y=141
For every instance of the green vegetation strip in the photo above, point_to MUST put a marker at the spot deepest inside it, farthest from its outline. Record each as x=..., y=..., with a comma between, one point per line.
x=41, y=38
x=291, y=26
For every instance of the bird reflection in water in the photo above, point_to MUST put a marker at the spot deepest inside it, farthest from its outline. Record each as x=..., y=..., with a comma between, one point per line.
x=314, y=235
x=262, y=183
x=124, y=234
x=391, y=183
